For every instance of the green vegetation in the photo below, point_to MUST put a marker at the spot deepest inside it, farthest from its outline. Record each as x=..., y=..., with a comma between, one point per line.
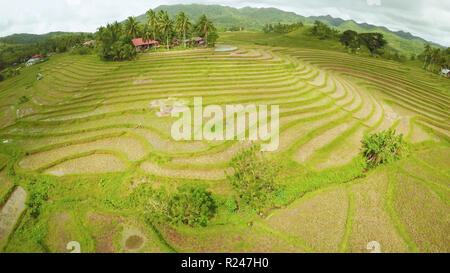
x=323, y=31
x=90, y=143
x=191, y=206
x=17, y=53
x=253, y=178
x=383, y=148
x=255, y=19
x=282, y=28
x=114, y=40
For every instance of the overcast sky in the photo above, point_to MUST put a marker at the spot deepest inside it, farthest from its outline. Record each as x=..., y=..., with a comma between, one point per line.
x=429, y=19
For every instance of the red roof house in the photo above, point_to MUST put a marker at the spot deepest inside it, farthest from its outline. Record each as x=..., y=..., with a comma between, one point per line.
x=88, y=43
x=198, y=39
x=140, y=42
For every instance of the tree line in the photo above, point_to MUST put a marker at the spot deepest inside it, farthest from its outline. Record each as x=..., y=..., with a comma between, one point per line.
x=435, y=59
x=282, y=28
x=354, y=40
x=19, y=53
x=115, y=40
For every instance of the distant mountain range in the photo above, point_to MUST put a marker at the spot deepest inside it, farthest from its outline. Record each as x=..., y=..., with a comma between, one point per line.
x=255, y=19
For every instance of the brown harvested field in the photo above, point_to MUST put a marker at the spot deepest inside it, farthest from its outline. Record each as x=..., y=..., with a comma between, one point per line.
x=129, y=146
x=192, y=173
x=61, y=232
x=437, y=158
x=168, y=145
x=345, y=152
x=308, y=149
x=227, y=239
x=418, y=134
x=104, y=229
x=96, y=163
x=319, y=220
x=371, y=221
x=10, y=212
x=423, y=213
x=5, y=182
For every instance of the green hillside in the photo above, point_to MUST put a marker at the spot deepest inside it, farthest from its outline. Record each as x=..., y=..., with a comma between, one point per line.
x=255, y=19
x=405, y=46
x=225, y=17
x=25, y=38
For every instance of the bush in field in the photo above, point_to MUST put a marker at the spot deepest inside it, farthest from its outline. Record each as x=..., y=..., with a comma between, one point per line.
x=190, y=206
x=35, y=202
x=383, y=147
x=82, y=51
x=253, y=178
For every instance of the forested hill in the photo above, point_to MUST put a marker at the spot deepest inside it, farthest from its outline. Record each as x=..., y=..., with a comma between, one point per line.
x=226, y=17
x=255, y=19
x=27, y=39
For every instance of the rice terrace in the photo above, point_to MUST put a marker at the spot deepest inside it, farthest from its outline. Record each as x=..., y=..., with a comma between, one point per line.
x=87, y=152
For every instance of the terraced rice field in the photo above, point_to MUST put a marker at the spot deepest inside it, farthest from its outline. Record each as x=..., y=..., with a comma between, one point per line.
x=90, y=133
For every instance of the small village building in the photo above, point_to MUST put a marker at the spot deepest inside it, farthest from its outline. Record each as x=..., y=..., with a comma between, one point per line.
x=445, y=72
x=89, y=43
x=198, y=41
x=142, y=45
x=36, y=58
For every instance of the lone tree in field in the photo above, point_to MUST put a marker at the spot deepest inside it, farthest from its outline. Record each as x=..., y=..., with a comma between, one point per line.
x=204, y=27
x=182, y=25
x=383, y=147
x=373, y=41
x=165, y=26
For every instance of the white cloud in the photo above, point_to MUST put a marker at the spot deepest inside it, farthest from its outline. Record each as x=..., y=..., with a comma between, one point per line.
x=374, y=2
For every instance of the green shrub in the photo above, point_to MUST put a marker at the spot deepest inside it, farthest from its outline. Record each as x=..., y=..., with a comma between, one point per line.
x=23, y=99
x=35, y=202
x=383, y=147
x=82, y=51
x=254, y=178
x=191, y=206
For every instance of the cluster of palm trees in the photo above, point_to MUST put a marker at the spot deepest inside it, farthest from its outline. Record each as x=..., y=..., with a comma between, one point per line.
x=159, y=26
x=435, y=57
x=114, y=40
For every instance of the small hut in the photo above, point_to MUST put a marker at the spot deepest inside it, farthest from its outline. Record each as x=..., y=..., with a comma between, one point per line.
x=142, y=45
x=198, y=41
x=89, y=43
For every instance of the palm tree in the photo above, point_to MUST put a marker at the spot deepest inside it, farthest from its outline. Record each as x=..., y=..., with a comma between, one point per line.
x=147, y=33
x=182, y=25
x=165, y=26
x=426, y=54
x=435, y=54
x=116, y=29
x=152, y=21
x=204, y=27
x=131, y=27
